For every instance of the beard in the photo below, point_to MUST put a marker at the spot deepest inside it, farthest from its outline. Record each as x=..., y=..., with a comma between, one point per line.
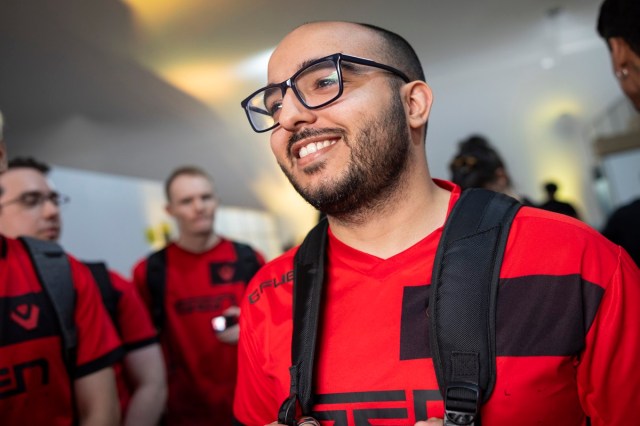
x=379, y=156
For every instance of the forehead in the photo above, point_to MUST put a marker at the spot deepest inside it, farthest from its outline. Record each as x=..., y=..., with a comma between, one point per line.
x=187, y=184
x=316, y=40
x=24, y=179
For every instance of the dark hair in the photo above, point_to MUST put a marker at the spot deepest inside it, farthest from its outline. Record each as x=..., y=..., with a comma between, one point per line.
x=29, y=163
x=181, y=171
x=476, y=163
x=399, y=52
x=621, y=18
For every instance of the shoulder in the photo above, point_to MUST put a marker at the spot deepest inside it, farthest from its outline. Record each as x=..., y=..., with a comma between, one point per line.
x=547, y=243
x=273, y=280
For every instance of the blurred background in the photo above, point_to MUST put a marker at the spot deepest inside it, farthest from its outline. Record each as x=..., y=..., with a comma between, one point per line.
x=117, y=93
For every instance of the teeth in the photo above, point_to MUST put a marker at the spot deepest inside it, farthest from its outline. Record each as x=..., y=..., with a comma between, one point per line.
x=314, y=147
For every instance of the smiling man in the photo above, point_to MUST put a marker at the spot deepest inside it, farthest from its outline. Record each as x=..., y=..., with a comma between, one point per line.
x=349, y=133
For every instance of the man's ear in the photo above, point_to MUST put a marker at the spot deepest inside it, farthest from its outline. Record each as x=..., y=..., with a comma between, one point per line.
x=619, y=54
x=418, y=99
x=167, y=208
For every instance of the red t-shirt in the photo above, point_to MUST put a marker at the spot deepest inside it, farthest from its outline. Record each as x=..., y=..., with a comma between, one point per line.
x=201, y=369
x=134, y=327
x=568, y=334
x=35, y=388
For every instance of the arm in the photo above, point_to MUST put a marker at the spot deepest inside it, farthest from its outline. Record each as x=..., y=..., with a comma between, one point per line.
x=608, y=376
x=96, y=399
x=145, y=368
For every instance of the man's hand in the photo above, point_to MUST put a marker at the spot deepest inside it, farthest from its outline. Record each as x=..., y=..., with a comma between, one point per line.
x=431, y=422
x=231, y=334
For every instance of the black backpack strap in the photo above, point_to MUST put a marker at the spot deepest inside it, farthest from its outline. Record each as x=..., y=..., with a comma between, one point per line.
x=463, y=297
x=156, y=283
x=54, y=272
x=308, y=280
x=247, y=261
x=110, y=296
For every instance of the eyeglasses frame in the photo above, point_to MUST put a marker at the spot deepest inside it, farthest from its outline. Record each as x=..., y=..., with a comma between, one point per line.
x=62, y=199
x=337, y=59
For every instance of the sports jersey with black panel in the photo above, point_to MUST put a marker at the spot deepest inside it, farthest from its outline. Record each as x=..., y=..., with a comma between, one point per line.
x=35, y=385
x=201, y=370
x=567, y=341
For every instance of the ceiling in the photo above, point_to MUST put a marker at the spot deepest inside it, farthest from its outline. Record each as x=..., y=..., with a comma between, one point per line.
x=138, y=87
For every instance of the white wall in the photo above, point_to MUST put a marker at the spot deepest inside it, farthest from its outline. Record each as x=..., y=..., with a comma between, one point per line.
x=109, y=218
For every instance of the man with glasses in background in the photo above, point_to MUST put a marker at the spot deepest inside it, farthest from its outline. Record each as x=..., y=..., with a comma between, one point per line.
x=349, y=133
x=39, y=385
x=30, y=207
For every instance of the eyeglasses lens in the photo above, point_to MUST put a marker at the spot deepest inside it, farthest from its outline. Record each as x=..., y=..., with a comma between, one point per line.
x=316, y=85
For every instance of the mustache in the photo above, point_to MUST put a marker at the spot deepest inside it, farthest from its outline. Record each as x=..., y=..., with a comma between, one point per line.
x=310, y=133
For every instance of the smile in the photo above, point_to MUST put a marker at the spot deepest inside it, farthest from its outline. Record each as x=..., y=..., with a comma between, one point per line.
x=312, y=147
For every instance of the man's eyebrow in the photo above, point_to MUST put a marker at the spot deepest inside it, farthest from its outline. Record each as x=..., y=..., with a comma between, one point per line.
x=305, y=63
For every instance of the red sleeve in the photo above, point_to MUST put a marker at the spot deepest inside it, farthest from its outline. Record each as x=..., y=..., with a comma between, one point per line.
x=608, y=374
x=134, y=322
x=98, y=342
x=139, y=275
x=257, y=395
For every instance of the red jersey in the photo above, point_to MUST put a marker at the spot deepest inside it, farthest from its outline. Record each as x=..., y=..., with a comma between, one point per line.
x=35, y=387
x=567, y=333
x=201, y=370
x=134, y=327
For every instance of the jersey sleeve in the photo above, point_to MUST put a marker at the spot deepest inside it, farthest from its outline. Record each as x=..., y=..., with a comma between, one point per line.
x=139, y=275
x=608, y=374
x=254, y=401
x=98, y=343
x=134, y=322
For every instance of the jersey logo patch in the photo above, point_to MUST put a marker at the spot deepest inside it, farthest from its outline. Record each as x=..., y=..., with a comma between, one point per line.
x=26, y=316
x=225, y=273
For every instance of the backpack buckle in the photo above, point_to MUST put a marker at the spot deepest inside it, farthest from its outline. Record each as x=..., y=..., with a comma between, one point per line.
x=461, y=404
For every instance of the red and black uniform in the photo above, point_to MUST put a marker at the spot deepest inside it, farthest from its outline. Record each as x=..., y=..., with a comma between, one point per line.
x=134, y=327
x=568, y=334
x=201, y=369
x=35, y=386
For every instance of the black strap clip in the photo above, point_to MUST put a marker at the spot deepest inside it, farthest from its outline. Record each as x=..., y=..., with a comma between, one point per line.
x=462, y=404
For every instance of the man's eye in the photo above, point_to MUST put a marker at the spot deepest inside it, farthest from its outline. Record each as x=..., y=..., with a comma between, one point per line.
x=274, y=107
x=31, y=200
x=328, y=81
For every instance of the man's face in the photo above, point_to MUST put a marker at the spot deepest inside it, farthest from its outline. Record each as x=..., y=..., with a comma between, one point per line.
x=359, y=143
x=192, y=204
x=19, y=215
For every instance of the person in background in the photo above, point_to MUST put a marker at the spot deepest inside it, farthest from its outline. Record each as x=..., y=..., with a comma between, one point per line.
x=193, y=288
x=619, y=25
x=478, y=165
x=554, y=205
x=36, y=213
x=347, y=107
x=38, y=385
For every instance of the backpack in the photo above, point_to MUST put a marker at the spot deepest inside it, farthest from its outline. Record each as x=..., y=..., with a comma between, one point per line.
x=52, y=268
x=247, y=262
x=468, y=258
x=110, y=296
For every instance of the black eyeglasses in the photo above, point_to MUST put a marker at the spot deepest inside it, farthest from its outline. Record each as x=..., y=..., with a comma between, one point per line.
x=33, y=199
x=315, y=85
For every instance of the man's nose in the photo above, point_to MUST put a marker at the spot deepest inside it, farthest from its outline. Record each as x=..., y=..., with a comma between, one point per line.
x=293, y=113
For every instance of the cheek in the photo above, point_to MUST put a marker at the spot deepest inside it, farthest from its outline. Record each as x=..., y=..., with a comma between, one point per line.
x=278, y=143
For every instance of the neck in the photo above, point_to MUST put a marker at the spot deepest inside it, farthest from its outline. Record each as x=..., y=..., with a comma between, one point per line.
x=197, y=243
x=414, y=210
